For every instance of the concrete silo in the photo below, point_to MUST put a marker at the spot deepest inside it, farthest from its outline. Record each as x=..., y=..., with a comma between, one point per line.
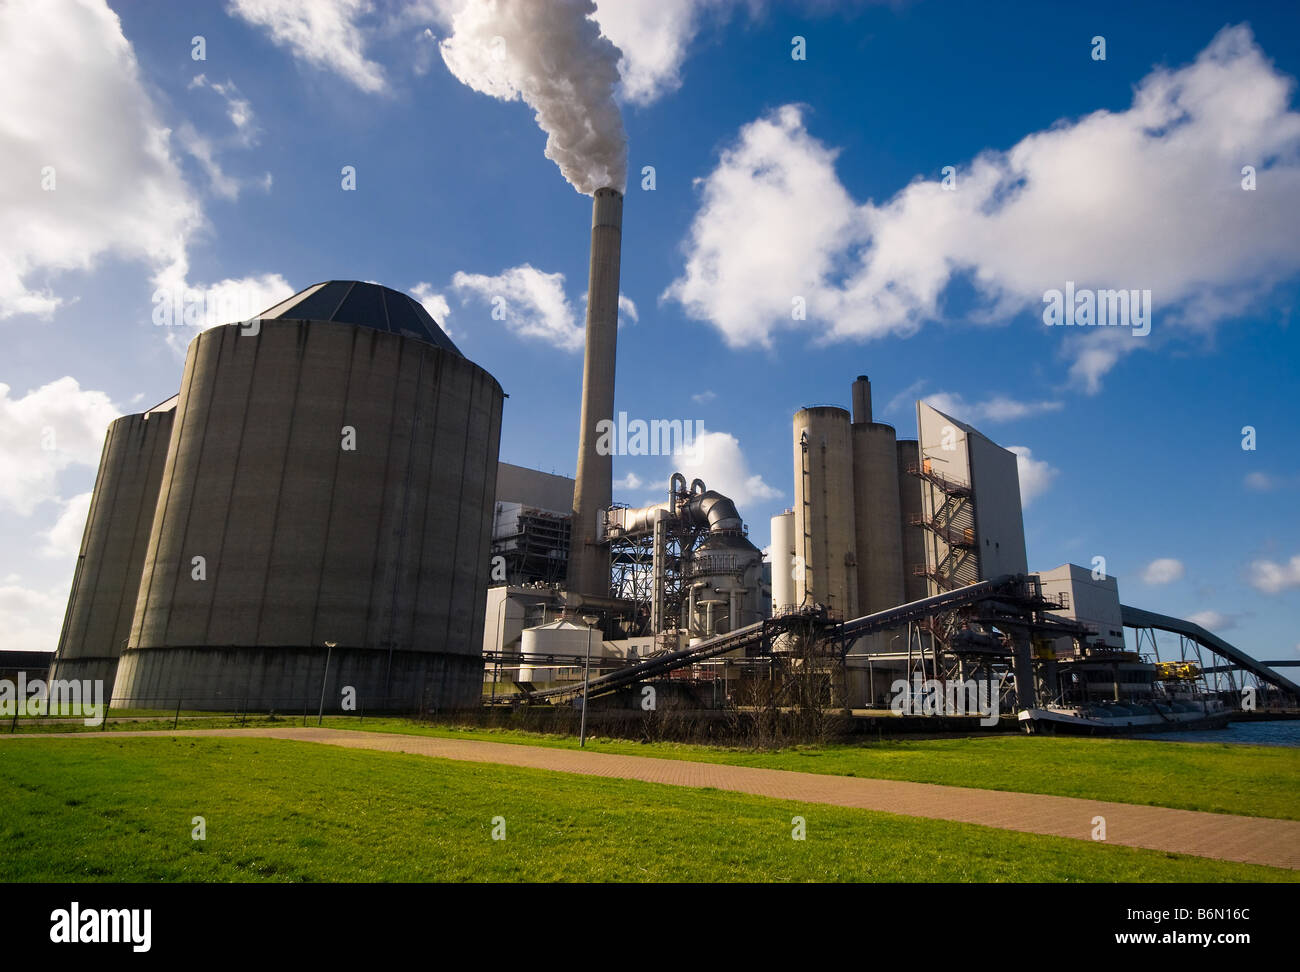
x=824, y=529
x=915, y=585
x=876, y=517
x=331, y=480
x=111, y=559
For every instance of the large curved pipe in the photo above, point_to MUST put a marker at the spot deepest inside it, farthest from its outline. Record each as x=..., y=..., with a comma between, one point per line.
x=705, y=509
x=710, y=508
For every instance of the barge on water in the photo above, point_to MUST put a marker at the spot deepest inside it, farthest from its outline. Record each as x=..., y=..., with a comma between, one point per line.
x=1104, y=691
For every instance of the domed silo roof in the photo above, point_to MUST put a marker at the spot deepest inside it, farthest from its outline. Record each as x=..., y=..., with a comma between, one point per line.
x=366, y=305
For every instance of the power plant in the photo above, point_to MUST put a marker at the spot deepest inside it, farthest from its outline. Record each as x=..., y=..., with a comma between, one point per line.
x=321, y=510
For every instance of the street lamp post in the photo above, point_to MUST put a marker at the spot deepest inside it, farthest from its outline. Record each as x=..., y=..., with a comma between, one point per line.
x=586, y=681
x=329, y=650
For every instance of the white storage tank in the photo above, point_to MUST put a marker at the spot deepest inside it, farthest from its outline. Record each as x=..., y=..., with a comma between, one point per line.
x=783, y=562
x=557, y=651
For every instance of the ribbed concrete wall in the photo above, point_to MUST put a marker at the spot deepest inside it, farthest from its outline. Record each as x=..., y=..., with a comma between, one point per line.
x=113, y=545
x=876, y=517
x=915, y=587
x=824, y=530
x=383, y=550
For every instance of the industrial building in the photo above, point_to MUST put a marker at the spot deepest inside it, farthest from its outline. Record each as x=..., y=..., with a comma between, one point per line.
x=972, y=524
x=321, y=519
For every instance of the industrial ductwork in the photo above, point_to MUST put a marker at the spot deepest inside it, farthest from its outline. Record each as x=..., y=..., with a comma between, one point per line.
x=704, y=509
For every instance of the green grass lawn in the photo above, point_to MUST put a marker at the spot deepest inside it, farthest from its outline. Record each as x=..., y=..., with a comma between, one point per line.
x=1257, y=781
x=121, y=809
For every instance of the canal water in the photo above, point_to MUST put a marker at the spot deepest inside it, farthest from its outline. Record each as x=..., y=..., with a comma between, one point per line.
x=1281, y=733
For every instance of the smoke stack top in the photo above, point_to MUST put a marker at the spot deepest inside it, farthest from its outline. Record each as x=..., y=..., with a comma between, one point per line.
x=553, y=57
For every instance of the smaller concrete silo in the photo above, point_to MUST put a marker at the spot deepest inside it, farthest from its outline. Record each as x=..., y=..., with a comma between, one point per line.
x=113, y=545
x=878, y=536
x=824, y=528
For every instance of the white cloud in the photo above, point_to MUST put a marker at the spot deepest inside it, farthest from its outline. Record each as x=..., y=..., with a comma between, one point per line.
x=31, y=619
x=1036, y=475
x=627, y=310
x=999, y=408
x=75, y=102
x=773, y=223
x=652, y=37
x=63, y=540
x=1263, y=482
x=325, y=33
x=704, y=397
x=630, y=481
x=1271, y=577
x=1163, y=570
x=199, y=307
x=204, y=148
x=205, y=153
x=716, y=458
x=1140, y=198
x=44, y=432
x=435, y=303
x=533, y=302
x=238, y=108
x=1213, y=620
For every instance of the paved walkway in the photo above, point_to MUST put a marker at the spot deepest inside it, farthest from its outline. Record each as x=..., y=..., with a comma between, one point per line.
x=1253, y=840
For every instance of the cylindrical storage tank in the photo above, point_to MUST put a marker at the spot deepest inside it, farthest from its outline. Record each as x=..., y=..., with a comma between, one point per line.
x=330, y=481
x=876, y=517
x=558, y=651
x=824, y=531
x=909, y=506
x=783, y=562
x=111, y=560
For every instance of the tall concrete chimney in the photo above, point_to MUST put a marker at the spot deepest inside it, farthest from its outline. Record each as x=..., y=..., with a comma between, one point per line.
x=861, y=400
x=593, y=489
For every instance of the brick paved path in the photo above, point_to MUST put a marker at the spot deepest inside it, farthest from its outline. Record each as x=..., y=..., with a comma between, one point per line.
x=1253, y=840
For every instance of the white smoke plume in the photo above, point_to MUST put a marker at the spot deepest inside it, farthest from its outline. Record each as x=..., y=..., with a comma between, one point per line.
x=552, y=56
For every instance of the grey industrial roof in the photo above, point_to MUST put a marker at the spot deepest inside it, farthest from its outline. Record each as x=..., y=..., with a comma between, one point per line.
x=366, y=305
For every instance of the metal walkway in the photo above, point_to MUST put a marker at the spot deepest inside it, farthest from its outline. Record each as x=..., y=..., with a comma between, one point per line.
x=1138, y=618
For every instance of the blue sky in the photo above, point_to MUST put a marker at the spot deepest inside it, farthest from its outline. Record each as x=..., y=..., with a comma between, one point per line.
x=775, y=178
